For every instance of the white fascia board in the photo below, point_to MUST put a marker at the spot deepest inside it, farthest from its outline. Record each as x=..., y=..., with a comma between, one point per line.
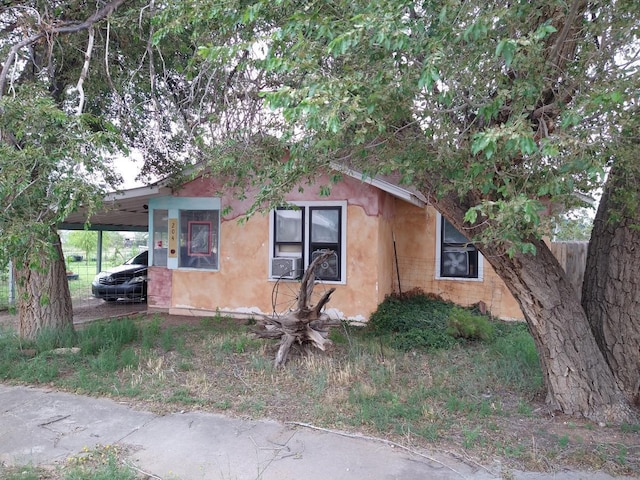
x=383, y=185
x=137, y=192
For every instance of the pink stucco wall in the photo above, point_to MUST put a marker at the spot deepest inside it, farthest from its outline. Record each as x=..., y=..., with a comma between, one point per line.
x=159, y=287
x=374, y=220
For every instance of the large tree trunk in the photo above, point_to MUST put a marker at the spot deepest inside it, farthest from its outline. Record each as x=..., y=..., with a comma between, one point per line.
x=43, y=296
x=577, y=377
x=611, y=288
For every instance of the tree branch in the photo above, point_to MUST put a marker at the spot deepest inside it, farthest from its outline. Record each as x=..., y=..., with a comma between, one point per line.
x=67, y=27
x=85, y=70
x=563, y=44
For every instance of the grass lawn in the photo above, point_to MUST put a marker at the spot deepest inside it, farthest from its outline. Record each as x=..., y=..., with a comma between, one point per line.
x=424, y=374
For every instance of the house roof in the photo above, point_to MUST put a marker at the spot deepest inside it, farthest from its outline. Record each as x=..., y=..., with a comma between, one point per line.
x=128, y=210
x=387, y=183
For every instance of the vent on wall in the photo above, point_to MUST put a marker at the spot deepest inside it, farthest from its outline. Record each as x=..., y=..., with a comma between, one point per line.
x=286, y=267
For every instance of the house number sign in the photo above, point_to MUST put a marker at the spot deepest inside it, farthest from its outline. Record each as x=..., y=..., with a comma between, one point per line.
x=173, y=238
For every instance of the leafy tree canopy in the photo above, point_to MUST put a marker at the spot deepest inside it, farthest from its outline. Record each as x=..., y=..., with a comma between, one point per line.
x=510, y=108
x=50, y=162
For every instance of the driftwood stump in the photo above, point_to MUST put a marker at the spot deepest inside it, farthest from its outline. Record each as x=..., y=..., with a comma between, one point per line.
x=306, y=324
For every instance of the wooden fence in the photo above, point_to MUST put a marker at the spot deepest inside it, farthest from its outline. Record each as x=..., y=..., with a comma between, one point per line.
x=573, y=258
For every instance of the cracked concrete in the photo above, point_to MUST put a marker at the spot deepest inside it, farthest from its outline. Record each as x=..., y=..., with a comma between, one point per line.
x=45, y=427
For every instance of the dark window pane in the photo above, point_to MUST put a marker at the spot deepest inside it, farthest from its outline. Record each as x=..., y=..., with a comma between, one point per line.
x=451, y=235
x=458, y=257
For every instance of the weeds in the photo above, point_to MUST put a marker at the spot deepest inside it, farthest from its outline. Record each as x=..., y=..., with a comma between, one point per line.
x=101, y=463
x=26, y=472
x=474, y=393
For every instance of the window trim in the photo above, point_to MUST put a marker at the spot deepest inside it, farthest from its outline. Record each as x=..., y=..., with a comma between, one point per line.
x=306, y=240
x=173, y=206
x=438, y=274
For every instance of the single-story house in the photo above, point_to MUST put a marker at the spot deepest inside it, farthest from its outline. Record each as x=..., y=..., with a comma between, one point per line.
x=384, y=238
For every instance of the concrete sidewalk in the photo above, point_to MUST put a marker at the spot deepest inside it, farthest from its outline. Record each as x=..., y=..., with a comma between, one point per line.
x=43, y=427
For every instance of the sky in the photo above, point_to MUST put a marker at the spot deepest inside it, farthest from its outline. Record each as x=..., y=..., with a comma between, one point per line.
x=129, y=168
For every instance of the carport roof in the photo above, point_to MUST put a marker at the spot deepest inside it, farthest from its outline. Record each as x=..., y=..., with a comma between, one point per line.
x=126, y=210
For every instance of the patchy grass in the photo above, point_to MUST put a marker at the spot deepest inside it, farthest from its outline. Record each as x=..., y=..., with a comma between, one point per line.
x=475, y=394
x=105, y=462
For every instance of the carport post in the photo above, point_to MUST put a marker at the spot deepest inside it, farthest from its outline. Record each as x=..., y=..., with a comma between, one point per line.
x=99, y=253
x=12, y=285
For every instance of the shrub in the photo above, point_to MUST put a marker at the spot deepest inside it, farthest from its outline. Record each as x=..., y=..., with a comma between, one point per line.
x=463, y=323
x=421, y=339
x=414, y=321
x=404, y=313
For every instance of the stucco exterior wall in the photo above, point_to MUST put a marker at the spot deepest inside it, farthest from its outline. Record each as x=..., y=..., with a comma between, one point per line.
x=242, y=284
x=159, y=287
x=415, y=232
x=374, y=219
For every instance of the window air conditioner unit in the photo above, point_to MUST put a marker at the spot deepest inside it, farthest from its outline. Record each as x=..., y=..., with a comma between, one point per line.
x=286, y=267
x=327, y=270
x=455, y=264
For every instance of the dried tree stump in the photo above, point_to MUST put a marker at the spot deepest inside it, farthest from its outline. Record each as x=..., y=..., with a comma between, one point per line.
x=306, y=324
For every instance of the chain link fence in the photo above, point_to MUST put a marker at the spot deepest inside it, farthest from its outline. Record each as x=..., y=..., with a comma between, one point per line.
x=82, y=267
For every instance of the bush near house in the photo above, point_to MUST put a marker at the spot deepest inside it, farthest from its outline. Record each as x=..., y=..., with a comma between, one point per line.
x=417, y=320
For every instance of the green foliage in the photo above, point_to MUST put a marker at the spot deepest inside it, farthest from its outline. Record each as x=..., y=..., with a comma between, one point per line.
x=463, y=323
x=464, y=98
x=105, y=336
x=9, y=351
x=415, y=321
x=150, y=333
x=515, y=357
x=48, y=339
x=101, y=463
x=574, y=226
x=26, y=472
x=49, y=168
x=86, y=241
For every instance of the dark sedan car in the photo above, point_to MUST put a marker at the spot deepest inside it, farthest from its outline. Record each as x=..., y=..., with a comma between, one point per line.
x=128, y=281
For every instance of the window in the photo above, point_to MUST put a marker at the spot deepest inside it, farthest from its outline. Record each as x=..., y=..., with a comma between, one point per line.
x=198, y=239
x=301, y=233
x=185, y=232
x=456, y=256
x=160, y=237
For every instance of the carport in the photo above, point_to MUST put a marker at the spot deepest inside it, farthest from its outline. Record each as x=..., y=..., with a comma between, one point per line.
x=125, y=210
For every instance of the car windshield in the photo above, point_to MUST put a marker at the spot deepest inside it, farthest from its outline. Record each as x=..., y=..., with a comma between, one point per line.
x=140, y=259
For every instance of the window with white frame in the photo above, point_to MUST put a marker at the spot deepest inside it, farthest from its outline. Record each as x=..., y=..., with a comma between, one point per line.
x=456, y=257
x=301, y=232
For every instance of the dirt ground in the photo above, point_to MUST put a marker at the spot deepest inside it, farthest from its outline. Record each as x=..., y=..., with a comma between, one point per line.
x=86, y=310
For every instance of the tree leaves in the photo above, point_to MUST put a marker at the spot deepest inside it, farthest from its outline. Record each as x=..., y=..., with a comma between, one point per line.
x=466, y=97
x=50, y=163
